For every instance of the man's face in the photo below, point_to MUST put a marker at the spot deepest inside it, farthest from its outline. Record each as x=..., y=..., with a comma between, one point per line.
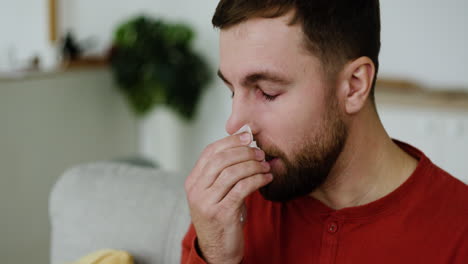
x=281, y=92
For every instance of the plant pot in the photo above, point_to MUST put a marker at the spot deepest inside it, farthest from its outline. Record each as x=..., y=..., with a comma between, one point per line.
x=162, y=138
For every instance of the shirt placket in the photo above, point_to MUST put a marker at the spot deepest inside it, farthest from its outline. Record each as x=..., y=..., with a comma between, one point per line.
x=330, y=239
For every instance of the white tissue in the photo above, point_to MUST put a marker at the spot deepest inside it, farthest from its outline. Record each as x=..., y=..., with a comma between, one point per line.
x=253, y=144
x=246, y=128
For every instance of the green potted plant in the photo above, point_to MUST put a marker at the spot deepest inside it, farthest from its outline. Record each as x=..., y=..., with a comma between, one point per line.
x=153, y=63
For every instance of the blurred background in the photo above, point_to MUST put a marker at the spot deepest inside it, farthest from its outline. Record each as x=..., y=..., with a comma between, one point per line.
x=72, y=92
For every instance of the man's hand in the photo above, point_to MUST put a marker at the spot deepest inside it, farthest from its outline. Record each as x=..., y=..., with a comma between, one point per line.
x=225, y=174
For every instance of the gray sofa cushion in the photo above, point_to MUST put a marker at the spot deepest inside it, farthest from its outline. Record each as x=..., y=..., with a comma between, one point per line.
x=111, y=205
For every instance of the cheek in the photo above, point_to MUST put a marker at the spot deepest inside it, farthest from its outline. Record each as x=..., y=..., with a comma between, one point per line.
x=290, y=122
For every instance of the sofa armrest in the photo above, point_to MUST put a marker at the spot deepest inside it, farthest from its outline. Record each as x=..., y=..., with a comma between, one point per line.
x=112, y=205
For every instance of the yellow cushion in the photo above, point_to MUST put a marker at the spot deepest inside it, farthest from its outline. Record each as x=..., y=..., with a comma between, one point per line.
x=106, y=256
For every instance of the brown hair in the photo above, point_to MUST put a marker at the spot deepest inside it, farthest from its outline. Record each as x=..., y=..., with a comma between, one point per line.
x=336, y=31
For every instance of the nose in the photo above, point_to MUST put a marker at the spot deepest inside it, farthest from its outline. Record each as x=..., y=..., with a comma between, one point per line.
x=241, y=114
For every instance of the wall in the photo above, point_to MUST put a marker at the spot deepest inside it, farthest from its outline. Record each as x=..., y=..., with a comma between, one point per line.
x=24, y=28
x=425, y=41
x=48, y=125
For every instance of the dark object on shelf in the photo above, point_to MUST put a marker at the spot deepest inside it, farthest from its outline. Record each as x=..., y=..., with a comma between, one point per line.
x=70, y=49
x=154, y=64
x=34, y=64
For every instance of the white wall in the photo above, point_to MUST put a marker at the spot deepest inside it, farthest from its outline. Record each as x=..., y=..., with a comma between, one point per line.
x=24, y=28
x=99, y=19
x=48, y=125
x=426, y=41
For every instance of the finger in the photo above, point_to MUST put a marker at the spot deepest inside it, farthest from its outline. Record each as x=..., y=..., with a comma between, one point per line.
x=233, y=174
x=238, y=140
x=224, y=159
x=235, y=197
x=233, y=141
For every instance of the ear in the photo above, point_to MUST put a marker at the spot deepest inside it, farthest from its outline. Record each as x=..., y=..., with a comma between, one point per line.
x=357, y=79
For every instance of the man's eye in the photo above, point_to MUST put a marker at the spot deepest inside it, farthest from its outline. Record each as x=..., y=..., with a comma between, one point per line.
x=269, y=97
x=265, y=96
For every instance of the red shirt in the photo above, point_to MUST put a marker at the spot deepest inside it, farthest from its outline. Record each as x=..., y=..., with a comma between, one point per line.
x=425, y=220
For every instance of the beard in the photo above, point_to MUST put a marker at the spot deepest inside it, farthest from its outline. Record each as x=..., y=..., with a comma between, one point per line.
x=310, y=165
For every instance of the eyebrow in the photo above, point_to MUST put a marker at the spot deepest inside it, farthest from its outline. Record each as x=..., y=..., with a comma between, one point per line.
x=254, y=77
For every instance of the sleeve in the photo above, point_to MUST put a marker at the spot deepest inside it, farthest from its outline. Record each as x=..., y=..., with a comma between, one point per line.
x=190, y=252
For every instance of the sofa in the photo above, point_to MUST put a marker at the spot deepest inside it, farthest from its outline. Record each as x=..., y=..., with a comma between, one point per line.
x=113, y=205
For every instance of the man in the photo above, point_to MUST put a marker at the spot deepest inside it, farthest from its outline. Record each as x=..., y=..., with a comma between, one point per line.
x=328, y=185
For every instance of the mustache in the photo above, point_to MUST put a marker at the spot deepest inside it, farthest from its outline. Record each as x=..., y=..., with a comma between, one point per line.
x=271, y=150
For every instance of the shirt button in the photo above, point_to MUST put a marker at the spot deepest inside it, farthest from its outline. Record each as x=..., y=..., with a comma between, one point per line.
x=332, y=227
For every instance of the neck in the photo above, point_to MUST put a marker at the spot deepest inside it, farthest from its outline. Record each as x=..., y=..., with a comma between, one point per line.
x=370, y=167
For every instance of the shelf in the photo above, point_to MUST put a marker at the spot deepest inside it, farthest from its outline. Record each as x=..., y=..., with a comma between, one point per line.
x=405, y=93
x=86, y=64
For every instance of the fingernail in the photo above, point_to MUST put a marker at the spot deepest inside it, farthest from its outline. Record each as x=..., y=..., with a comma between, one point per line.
x=269, y=176
x=266, y=165
x=245, y=138
x=259, y=154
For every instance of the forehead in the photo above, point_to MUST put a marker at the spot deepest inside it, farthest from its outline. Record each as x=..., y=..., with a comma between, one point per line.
x=262, y=42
